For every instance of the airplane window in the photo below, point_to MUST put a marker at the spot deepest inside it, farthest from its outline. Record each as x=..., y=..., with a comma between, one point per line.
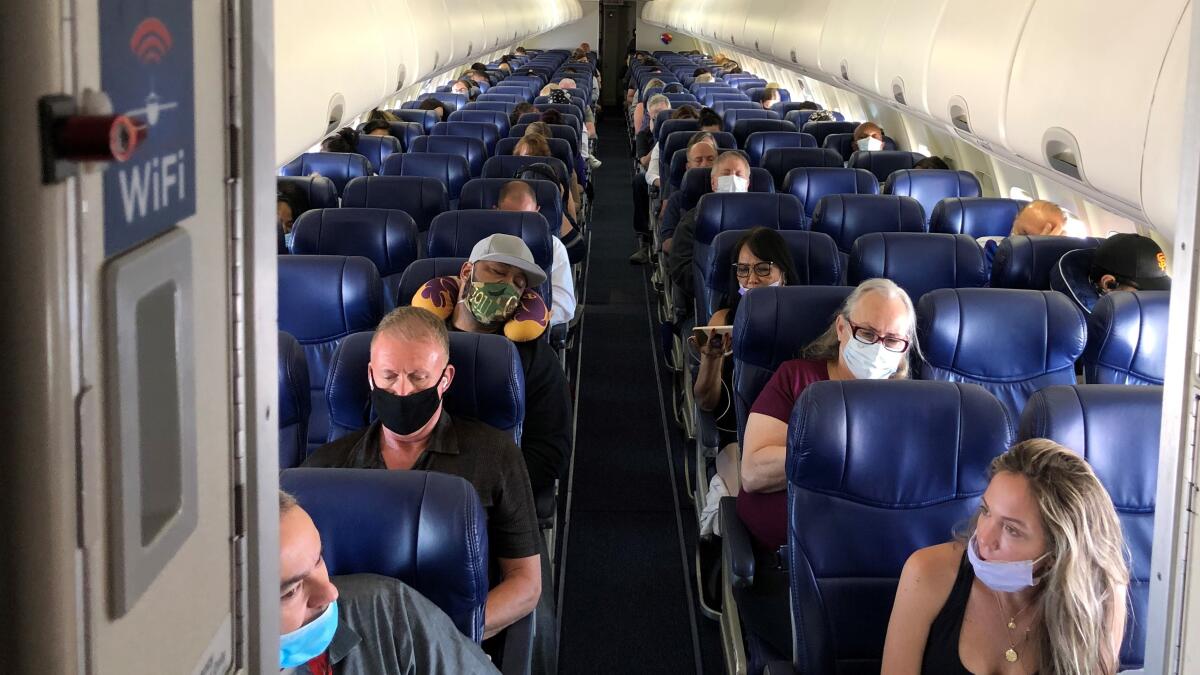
x=1018, y=193
x=1075, y=227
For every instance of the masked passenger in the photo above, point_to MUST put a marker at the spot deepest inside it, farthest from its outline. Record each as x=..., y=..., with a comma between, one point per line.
x=730, y=173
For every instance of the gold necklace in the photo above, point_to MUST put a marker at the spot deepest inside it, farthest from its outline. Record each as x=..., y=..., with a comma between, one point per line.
x=1010, y=654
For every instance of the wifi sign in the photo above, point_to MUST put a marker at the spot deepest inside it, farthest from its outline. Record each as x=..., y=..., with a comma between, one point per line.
x=151, y=41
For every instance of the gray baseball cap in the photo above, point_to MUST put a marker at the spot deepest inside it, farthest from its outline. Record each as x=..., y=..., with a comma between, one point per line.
x=510, y=250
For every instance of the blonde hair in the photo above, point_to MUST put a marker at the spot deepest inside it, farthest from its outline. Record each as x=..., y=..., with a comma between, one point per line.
x=704, y=77
x=549, y=88
x=535, y=144
x=415, y=323
x=652, y=83
x=1079, y=588
x=828, y=346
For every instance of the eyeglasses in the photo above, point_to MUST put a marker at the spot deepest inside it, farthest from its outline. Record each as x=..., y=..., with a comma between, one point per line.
x=761, y=269
x=869, y=336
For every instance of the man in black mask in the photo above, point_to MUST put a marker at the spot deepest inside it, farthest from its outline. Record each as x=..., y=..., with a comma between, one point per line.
x=409, y=373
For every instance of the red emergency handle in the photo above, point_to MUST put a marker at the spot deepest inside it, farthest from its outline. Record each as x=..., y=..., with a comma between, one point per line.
x=98, y=138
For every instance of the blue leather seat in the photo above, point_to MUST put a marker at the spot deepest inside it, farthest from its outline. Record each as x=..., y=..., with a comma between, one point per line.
x=294, y=402
x=895, y=462
x=1011, y=342
x=512, y=99
x=722, y=107
x=484, y=131
x=569, y=119
x=678, y=100
x=844, y=144
x=1116, y=429
x=712, y=96
x=560, y=151
x=810, y=184
x=672, y=157
x=512, y=90
x=756, y=94
x=387, y=237
x=339, y=167
x=472, y=149
x=732, y=117
x=422, y=270
x=787, y=106
x=497, y=119
x=484, y=193
x=495, y=106
x=420, y=197
x=508, y=166
x=800, y=118
x=664, y=128
x=759, y=142
x=1025, y=261
x=406, y=132
x=820, y=130
x=455, y=233
x=930, y=186
x=748, y=83
x=426, y=118
x=814, y=257
x=883, y=162
x=918, y=262
x=561, y=131
x=451, y=101
x=698, y=182
x=975, y=216
x=1127, y=338
x=744, y=128
x=319, y=190
x=424, y=528
x=322, y=299
x=780, y=161
x=452, y=171
x=848, y=217
x=564, y=108
x=377, y=149
x=489, y=383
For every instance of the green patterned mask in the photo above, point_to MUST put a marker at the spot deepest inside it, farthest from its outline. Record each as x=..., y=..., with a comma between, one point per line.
x=492, y=302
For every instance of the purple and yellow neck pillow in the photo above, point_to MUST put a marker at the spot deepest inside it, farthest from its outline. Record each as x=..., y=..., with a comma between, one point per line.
x=440, y=295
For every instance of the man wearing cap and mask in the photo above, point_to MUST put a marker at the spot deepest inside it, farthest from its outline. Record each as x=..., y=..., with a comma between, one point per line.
x=409, y=373
x=1122, y=262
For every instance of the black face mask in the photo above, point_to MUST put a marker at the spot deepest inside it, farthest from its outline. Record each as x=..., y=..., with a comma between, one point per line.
x=405, y=415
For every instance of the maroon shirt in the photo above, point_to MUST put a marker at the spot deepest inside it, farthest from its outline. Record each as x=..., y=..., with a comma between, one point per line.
x=765, y=513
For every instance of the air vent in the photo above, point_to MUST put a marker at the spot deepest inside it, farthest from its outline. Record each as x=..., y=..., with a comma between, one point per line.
x=756, y=47
x=401, y=76
x=898, y=91
x=1061, y=151
x=845, y=71
x=794, y=59
x=960, y=117
x=470, y=47
x=731, y=40
x=333, y=116
x=437, y=59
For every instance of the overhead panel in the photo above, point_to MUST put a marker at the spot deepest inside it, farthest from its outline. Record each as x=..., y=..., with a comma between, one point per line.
x=903, y=58
x=798, y=32
x=732, y=28
x=1162, y=159
x=435, y=45
x=760, y=26
x=468, y=31
x=850, y=40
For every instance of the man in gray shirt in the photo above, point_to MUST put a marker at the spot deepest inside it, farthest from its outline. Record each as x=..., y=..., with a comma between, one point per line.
x=360, y=623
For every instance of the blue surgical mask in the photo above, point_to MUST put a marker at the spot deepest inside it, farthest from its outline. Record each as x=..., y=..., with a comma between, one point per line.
x=288, y=238
x=870, y=362
x=1002, y=577
x=310, y=640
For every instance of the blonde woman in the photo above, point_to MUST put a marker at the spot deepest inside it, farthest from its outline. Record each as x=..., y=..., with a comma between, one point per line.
x=639, y=111
x=1038, y=586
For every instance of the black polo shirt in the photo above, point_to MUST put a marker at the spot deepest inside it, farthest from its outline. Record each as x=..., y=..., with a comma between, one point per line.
x=483, y=455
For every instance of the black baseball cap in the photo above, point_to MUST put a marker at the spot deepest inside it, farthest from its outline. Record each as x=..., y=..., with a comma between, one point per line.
x=1134, y=259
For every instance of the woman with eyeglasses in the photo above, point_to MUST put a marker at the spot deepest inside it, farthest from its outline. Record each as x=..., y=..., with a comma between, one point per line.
x=870, y=338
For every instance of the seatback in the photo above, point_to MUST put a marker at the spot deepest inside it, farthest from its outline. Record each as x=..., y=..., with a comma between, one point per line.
x=569, y=119
x=484, y=131
x=810, y=184
x=424, y=528
x=422, y=270
x=455, y=233
x=508, y=166
x=772, y=325
x=484, y=193
x=930, y=186
x=406, y=132
x=800, y=118
x=667, y=127
x=678, y=141
x=698, y=182
x=779, y=161
x=322, y=299
x=1025, y=261
x=377, y=149
x=388, y=238
x=496, y=119
x=1127, y=338
x=918, y=262
x=490, y=97
x=1011, y=342
x=319, y=190
x=759, y=142
x=820, y=130
x=489, y=383
x=451, y=170
x=711, y=96
x=426, y=118
x=744, y=128
x=471, y=149
x=294, y=402
x=418, y=196
x=561, y=131
x=848, y=217
x=883, y=162
x=1116, y=429
x=814, y=257
x=975, y=216
x=339, y=167
x=732, y=117
x=450, y=100
x=748, y=83
x=680, y=99
x=756, y=94
x=722, y=107
x=845, y=146
x=904, y=458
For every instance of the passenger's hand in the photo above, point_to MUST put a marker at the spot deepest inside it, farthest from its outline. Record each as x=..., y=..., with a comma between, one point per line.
x=712, y=346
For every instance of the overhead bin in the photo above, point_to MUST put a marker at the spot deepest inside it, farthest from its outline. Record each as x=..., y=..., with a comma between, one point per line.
x=759, y=32
x=902, y=59
x=733, y=26
x=850, y=40
x=1082, y=85
x=431, y=23
x=1163, y=157
x=798, y=32
x=468, y=30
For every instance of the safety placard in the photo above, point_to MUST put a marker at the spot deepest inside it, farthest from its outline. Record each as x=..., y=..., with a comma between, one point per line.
x=146, y=68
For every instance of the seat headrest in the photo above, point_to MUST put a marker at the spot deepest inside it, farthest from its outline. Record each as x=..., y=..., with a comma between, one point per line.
x=484, y=131
x=814, y=257
x=894, y=444
x=722, y=107
x=319, y=190
x=377, y=149
x=930, y=186
x=847, y=217
x=698, y=182
x=427, y=529
x=732, y=117
x=339, y=167
x=779, y=161
x=426, y=118
x=496, y=119
x=883, y=162
x=975, y=216
x=484, y=193
x=454, y=233
x=918, y=262
x=294, y=402
x=1025, y=261
x=773, y=324
x=717, y=212
x=758, y=142
x=450, y=100
x=820, y=130
x=743, y=128
x=387, y=237
x=1127, y=338
x=810, y=184
x=452, y=171
x=327, y=297
x=472, y=149
x=418, y=196
x=678, y=140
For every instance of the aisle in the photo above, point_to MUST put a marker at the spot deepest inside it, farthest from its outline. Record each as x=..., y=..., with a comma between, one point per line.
x=627, y=597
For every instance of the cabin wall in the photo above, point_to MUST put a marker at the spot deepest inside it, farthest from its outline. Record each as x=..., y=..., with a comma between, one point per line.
x=586, y=29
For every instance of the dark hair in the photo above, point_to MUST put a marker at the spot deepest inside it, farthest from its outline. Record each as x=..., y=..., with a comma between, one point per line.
x=709, y=117
x=552, y=116
x=432, y=103
x=673, y=88
x=522, y=108
x=686, y=112
x=375, y=125
x=699, y=71
x=385, y=115
x=477, y=66
x=505, y=58
x=766, y=244
x=933, y=162
x=344, y=140
x=807, y=105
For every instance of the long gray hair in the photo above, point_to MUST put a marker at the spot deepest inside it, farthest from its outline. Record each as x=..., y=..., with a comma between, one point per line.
x=828, y=347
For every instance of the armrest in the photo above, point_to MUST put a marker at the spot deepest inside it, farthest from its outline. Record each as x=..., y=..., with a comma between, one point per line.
x=779, y=668
x=544, y=503
x=518, y=646
x=558, y=335
x=736, y=548
x=706, y=430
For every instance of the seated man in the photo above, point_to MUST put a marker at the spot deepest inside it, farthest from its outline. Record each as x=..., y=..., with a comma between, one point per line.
x=771, y=95
x=709, y=120
x=517, y=195
x=363, y=623
x=868, y=136
x=409, y=374
x=646, y=151
x=730, y=173
x=1123, y=262
x=1038, y=217
x=701, y=154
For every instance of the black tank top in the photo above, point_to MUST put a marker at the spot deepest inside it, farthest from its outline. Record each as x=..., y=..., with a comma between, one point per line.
x=941, y=647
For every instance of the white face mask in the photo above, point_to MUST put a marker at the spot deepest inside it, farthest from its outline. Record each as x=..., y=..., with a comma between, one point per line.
x=742, y=289
x=870, y=362
x=1004, y=577
x=732, y=184
x=870, y=144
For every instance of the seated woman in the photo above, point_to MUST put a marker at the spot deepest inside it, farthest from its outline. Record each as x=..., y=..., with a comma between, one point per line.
x=436, y=106
x=290, y=202
x=343, y=140
x=640, y=120
x=771, y=96
x=542, y=149
x=1037, y=584
x=379, y=122
x=762, y=259
x=522, y=108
